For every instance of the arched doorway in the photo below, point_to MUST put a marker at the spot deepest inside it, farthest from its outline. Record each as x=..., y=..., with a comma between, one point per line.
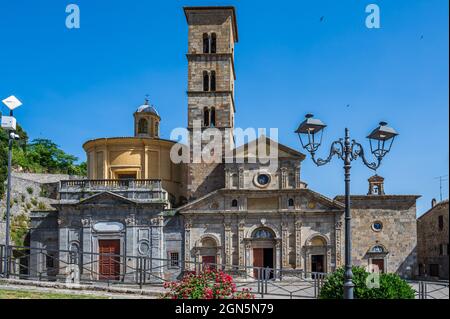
x=377, y=258
x=208, y=251
x=317, y=254
x=263, y=244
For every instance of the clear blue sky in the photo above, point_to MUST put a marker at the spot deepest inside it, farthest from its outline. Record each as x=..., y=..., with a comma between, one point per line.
x=82, y=84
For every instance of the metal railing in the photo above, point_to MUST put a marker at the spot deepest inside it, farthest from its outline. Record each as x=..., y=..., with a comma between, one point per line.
x=43, y=264
x=430, y=289
x=101, y=184
x=137, y=189
x=147, y=272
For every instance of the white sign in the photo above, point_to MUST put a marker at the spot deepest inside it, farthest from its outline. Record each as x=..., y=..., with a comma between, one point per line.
x=108, y=227
x=12, y=102
x=8, y=123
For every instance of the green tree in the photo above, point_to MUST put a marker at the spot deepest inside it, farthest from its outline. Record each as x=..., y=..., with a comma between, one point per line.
x=39, y=156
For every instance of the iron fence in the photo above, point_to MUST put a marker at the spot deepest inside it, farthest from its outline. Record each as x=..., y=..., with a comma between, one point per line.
x=147, y=272
x=44, y=264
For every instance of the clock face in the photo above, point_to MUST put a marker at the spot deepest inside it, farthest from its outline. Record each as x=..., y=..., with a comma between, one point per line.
x=263, y=179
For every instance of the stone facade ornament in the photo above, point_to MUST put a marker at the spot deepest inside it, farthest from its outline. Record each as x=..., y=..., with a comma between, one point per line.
x=86, y=222
x=298, y=244
x=241, y=245
x=228, y=244
x=338, y=227
x=130, y=221
x=285, y=243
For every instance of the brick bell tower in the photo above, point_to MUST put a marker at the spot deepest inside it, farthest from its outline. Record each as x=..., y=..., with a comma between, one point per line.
x=211, y=76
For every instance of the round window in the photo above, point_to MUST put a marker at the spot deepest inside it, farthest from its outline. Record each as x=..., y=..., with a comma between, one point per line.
x=263, y=179
x=377, y=226
x=144, y=247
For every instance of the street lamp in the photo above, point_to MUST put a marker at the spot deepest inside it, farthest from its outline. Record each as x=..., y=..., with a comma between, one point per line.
x=381, y=139
x=9, y=124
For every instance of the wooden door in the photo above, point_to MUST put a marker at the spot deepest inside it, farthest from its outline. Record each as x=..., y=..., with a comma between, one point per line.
x=317, y=264
x=109, y=259
x=258, y=260
x=209, y=262
x=379, y=263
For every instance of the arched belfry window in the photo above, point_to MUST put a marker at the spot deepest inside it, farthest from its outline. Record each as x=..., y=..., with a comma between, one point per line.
x=205, y=116
x=205, y=43
x=205, y=81
x=213, y=81
x=142, y=126
x=213, y=117
x=213, y=43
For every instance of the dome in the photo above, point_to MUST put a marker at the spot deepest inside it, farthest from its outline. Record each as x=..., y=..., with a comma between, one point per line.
x=146, y=108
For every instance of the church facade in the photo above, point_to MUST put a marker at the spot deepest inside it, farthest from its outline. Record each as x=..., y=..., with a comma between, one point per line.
x=138, y=202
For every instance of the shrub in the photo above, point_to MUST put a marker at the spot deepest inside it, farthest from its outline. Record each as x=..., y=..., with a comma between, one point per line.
x=22, y=197
x=391, y=286
x=19, y=229
x=43, y=192
x=42, y=206
x=34, y=201
x=30, y=190
x=209, y=284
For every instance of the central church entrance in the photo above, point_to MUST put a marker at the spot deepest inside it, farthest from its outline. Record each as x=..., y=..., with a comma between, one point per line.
x=263, y=252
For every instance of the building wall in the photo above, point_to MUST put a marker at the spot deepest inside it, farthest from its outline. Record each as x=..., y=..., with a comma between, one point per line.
x=398, y=235
x=430, y=237
x=148, y=158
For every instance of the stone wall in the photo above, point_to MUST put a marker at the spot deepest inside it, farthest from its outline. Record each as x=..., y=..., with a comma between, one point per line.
x=29, y=192
x=398, y=236
x=433, y=241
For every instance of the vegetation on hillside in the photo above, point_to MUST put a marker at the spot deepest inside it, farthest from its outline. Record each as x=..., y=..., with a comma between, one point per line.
x=37, y=156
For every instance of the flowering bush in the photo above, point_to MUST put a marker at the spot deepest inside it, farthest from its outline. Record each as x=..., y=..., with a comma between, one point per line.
x=210, y=284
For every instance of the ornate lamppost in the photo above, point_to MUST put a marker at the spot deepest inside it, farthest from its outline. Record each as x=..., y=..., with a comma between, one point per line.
x=381, y=139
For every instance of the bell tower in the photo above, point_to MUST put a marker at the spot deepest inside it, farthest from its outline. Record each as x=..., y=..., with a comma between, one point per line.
x=211, y=75
x=376, y=185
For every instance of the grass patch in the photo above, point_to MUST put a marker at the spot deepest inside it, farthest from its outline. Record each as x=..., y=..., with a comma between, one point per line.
x=21, y=294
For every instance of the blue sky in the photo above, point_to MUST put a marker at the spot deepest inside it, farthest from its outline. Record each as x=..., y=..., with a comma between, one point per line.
x=86, y=83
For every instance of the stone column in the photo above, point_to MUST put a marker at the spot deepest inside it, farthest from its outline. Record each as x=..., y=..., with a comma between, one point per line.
x=248, y=261
x=187, y=243
x=86, y=243
x=145, y=168
x=241, y=244
x=278, y=259
x=227, y=178
x=241, y=178
x=337, y=232
x=328, y=259
x=227, y=244
x=283, y=178
x=285, y=242
x=298, y=244
x=297, y=177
